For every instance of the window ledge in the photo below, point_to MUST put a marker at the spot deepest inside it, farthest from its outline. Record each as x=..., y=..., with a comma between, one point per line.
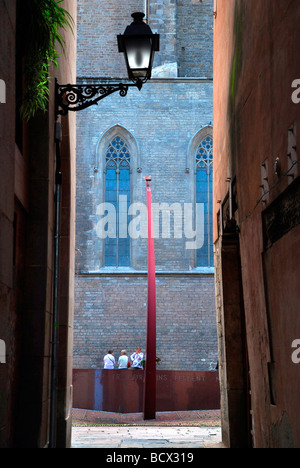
x=127, y=271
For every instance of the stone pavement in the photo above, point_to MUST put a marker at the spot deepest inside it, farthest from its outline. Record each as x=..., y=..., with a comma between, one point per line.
x=120, y=437
x=181, y=430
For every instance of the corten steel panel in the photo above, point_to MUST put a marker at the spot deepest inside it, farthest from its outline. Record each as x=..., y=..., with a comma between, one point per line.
x=84, y=383
x=122, y=391
x=187, y=391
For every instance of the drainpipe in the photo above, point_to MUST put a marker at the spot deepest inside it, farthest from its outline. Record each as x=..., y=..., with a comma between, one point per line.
x=54, y=360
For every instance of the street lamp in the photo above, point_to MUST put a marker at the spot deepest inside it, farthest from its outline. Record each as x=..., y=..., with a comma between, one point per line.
x=139, y=45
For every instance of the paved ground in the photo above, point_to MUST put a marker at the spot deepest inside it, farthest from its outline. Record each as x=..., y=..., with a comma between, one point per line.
x=145, y=437
x=208, y=418
x=195, y=429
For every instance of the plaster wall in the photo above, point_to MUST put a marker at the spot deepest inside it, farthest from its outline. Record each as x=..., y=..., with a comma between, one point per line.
x=255, y=64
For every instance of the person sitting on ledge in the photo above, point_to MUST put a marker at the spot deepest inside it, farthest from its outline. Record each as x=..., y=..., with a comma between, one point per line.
x=137, y=358
x=123, y=360
x=109, y=360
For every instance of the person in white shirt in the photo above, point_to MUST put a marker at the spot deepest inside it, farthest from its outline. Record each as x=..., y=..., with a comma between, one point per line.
x=137, y=358
x=109, y=360
x=123, y=360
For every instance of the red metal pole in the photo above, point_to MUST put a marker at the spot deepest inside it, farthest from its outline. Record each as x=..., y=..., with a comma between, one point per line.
x=150, y=372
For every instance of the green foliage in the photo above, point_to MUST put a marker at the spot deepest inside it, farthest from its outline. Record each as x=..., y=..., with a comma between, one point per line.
x=42, y=21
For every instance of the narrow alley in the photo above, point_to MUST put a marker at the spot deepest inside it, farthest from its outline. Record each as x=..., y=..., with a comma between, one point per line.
x=149, y=224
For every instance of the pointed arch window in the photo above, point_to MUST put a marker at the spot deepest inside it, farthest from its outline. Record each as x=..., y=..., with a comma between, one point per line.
x=204, y=191
x=117, y=193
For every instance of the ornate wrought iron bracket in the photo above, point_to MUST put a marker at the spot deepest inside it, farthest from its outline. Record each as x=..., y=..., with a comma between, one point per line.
x=78, y=97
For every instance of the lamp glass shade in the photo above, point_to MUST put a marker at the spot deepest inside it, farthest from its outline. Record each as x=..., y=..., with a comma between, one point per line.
x=138, y=45
x=139, y=55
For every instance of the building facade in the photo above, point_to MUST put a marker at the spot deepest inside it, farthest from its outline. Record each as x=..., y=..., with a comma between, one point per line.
x=165, y=131
x=256, y=220
x=29, y=395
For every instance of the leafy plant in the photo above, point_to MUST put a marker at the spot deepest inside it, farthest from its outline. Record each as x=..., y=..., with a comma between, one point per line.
x=42, y=21
x=158, y=361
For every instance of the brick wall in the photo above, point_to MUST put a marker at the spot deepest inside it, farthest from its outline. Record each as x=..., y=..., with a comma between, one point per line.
x=99, y=22
x=195, y=37
x=155, y=118
x=111, y=314
x=160, y=122
x=185, y=28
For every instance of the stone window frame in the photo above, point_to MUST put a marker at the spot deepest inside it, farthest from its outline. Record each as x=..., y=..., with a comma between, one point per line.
x=117, y=174
x=191, y=170
x=103, y=143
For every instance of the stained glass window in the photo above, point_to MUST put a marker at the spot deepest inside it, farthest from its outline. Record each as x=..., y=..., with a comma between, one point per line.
x=204, y=190
x=117, y=192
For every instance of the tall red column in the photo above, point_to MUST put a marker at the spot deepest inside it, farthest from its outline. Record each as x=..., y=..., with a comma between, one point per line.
x=150, y=372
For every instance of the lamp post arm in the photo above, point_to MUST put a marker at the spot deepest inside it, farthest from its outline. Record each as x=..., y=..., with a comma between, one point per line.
x=75, y=97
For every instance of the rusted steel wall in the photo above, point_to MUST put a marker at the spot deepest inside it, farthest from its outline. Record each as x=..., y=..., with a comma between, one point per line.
x=122, y=391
